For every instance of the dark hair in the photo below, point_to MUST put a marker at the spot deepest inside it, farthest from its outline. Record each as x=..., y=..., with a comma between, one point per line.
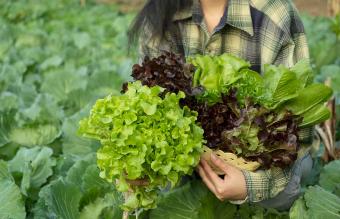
x=157, y=14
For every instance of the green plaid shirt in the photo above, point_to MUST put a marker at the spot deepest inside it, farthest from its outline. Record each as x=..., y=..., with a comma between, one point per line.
x=260, y=31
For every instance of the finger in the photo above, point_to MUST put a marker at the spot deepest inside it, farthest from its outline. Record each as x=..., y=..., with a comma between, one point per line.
x=214, y=178
x=220, y=164
x=210, y=185
x=205, y=179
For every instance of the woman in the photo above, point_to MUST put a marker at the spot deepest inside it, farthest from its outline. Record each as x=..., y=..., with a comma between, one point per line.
x=260, y=31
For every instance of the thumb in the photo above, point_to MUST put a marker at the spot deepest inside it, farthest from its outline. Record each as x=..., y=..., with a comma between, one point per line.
x=217, y=162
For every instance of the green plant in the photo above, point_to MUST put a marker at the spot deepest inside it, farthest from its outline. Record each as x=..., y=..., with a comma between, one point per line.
x=144, y=136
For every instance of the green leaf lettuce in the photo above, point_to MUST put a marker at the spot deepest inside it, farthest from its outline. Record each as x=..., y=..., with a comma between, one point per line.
x=144, y=136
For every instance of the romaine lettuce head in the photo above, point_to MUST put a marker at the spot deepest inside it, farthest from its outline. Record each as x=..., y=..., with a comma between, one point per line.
x=216, y=74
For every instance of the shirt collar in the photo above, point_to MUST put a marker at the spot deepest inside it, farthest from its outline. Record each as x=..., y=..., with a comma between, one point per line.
x=237, y=15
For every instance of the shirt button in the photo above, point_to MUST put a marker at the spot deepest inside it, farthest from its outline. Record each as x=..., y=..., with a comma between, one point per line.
x=209, y=51
x=258, y=195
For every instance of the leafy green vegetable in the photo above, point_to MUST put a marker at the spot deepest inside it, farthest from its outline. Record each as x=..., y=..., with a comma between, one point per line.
x=254, y=211
x=39, y=135
x=322, y=203
x=34, y=165
x=293, y=90
x=95, y=209
x=4, y=171
x=49, y=74
x=77, y=193
x=11, y=201
x=329, y=177
x=320, y=200
x=332, y=73
x=43, y=110
x=315, y=115
x=282, y=83
x=220, y=73
x=144, y=136
x=6, y=120
x=193, y=201
x=9, y=101
x=309, y=104
x=262, y=123
x=279, y=89
x=298, y=210
x=259, y=134
x=304, y=72
x=78, y=169
x=62, y=199
x=308, y=98
x=46, y=40
x=72, y=144
x=216, y=74
x=250, y=86
x=61, y=84
x=323, y=42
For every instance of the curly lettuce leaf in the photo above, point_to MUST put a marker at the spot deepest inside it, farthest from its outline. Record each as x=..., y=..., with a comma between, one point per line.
x=144, y=136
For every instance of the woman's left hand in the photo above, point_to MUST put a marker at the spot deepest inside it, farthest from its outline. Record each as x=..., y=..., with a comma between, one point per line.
x=231, y=187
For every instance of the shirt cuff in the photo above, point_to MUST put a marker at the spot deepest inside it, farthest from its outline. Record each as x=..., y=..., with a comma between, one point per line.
x=255, y=183
x=265, y=184
x=239, y=202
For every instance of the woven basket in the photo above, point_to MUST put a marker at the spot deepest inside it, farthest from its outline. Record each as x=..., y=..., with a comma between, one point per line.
x=230, y=159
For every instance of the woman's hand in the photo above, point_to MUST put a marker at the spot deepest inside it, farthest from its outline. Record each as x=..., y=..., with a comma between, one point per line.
x=231, y=187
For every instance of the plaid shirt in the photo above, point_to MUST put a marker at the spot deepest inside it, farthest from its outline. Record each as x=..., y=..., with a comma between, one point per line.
x=260, y=31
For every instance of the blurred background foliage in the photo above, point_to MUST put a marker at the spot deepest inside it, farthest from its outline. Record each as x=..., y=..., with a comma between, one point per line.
x=56, y=59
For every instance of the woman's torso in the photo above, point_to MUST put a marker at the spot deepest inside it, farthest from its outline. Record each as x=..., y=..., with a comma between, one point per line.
x=262, y=32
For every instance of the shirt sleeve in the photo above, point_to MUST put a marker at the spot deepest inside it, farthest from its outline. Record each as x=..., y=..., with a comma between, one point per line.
x=265, y=184
x=293, y=51
x=295, y=47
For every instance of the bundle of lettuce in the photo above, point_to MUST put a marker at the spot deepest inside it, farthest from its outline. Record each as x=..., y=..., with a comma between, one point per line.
x=256, y=117
x=146, y=136
x=263, y=115
x=155, y=130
